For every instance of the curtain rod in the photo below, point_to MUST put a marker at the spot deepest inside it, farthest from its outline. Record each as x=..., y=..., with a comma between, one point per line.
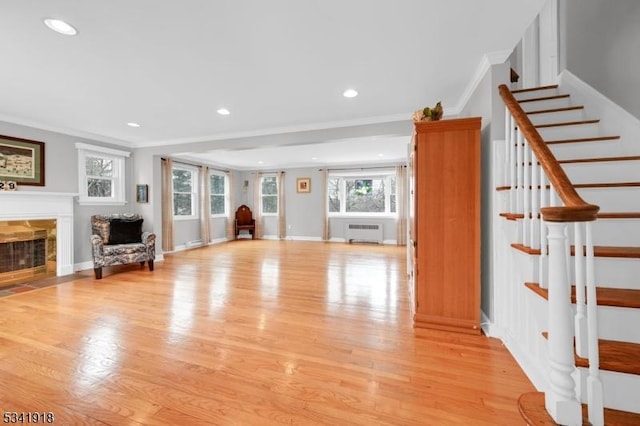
x=363, y=168
x=197, y=165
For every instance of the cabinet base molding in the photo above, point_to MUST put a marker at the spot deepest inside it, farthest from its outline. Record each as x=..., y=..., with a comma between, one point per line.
x=447, y=324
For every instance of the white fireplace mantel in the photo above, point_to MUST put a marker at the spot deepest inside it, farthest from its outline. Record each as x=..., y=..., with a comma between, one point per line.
x=24, y=205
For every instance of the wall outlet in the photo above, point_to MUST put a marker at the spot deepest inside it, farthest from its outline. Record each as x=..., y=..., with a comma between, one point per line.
x=289, y=227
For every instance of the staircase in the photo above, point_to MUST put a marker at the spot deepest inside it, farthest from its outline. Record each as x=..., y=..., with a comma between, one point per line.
x=604, y=170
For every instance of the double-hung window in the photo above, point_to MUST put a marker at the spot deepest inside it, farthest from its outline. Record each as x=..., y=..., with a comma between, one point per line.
x=269, y=195
x=361, y=194
x=185, y=192
x=218, y=193
x=101, y=175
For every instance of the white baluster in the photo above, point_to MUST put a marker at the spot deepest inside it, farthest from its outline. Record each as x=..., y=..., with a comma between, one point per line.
x=526, y=193
x=535, y=203
x=594, y=384
x=543, y=264
x=513, y=172
x=519, y=171
x=581, y=317
x=560, y=400
x=508, y=128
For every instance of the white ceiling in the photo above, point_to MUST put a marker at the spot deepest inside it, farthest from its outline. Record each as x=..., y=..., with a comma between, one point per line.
x=279, y=66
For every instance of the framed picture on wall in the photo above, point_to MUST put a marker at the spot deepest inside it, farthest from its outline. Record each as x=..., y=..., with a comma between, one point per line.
x=303, y=185
x=21, y=161
x=142, y=193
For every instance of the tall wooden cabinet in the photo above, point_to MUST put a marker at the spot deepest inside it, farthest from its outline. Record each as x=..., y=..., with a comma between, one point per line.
x=445, y=224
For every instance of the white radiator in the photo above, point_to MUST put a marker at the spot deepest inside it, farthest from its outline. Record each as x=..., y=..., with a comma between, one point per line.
x=363, y=232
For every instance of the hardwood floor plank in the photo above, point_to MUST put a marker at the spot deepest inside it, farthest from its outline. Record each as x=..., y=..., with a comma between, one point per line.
x=249, y=332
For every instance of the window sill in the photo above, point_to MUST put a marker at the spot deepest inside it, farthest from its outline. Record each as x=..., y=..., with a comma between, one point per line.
x=87, y=202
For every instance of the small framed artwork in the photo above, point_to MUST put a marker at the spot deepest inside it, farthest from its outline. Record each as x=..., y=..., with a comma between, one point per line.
x=142, y=193
x=21, y=161
x=304, y=184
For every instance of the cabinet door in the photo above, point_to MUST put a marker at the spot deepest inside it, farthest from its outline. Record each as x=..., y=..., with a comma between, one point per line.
x=447, y=172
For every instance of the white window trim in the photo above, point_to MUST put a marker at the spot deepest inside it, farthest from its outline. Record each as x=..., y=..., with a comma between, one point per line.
x=194, y=192
x=226, y=193
x=383, y=174
x=119, y=180
x=277, y=195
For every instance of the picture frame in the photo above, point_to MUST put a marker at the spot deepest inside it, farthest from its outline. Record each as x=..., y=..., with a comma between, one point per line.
x=303, y=185
x=21, y=161
x=142, y=193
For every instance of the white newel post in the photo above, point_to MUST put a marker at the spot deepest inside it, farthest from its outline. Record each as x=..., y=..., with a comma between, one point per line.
x=560, y=400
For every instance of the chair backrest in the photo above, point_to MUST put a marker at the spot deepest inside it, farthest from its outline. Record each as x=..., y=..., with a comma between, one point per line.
x=244, y=215
x=101, y=224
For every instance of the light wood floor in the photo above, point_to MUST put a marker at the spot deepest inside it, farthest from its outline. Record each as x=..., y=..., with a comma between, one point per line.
x=249, y=333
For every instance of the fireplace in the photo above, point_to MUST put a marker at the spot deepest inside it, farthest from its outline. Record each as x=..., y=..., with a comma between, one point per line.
x=36, y=235
x=27, y=250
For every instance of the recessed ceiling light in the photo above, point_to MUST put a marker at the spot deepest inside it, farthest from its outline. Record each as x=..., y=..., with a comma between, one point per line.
x=380, y=155
x=223, y=111
x=132, y=124
x=260, y=162
x=60, y=26
x=314, y=158
x=350, y=93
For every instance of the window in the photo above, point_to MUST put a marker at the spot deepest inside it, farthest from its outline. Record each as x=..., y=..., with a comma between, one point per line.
x=269, y=195
x=358, y=194
x=218, y=194
x=101, y=175
x=184, y=192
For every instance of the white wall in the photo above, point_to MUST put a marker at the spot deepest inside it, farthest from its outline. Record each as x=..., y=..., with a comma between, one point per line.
x=600, y=42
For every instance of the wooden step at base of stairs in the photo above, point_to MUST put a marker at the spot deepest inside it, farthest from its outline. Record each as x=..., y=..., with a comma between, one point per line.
x=598, y=251
x=531, y=406
x=618, y=297
x=619, y=357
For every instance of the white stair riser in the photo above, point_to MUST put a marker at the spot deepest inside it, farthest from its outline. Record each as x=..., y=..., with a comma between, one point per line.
x=620, y=390
x=614, y=272
x=597, y=149
x=612, y=321
x=547, y=104
x=624, y=199
x=616, y=232
x=536, y=94
x=557, y=117
x=569, y=132
x=625, y=171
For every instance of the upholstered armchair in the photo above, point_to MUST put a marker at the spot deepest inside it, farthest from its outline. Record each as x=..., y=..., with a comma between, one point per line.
x=118, y=239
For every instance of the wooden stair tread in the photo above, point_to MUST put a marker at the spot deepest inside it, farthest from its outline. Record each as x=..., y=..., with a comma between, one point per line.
x=600, y=159
x=587, y=185
x=598, y=251
x=619, y=297
x=600, y=215
x=533, y=89
x=565, y=123
x=606, y=184
x=534, y=413
x=619, y=357
x=546, y=111
x=544, y=98
x=580, y=140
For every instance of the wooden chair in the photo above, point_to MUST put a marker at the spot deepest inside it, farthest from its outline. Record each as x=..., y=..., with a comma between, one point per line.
x=245, y=221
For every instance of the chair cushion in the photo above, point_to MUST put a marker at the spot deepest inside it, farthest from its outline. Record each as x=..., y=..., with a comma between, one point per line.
x=125, y=231
x=124, y=249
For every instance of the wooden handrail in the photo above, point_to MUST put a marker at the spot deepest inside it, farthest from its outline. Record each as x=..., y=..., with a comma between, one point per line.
x=575, y=208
